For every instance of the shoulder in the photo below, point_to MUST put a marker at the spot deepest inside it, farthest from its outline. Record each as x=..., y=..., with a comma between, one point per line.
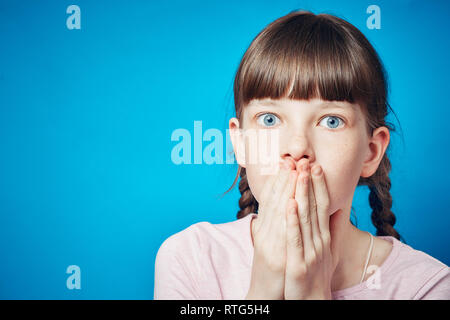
x=421, y=273
x=410, y=258
x=198, y=261
x=204, y=236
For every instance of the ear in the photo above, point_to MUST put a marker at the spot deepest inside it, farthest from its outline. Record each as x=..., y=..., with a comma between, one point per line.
x=378, y=144
x=237, y=139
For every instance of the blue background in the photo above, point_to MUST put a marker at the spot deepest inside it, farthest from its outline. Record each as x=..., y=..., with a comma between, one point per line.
x=86, y=118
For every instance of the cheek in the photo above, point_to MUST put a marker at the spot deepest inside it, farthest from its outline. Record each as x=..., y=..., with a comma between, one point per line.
x=255, y=181
x=262, y=147
x=262, y=158
x=342, y=175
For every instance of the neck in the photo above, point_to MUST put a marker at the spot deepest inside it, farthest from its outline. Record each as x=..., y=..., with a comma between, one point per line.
x=352, y=256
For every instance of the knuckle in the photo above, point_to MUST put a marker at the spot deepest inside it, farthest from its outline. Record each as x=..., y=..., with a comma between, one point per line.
x=275, y=265
x=318, y=245
x=299, y=272
x=294, y=241
x=326, y=239
x=311, y=259
x=269, y=255
x=304, y=218
x=292, y=203
x=326, y=205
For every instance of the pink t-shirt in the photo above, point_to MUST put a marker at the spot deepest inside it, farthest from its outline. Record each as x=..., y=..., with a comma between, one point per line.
x=214, y=261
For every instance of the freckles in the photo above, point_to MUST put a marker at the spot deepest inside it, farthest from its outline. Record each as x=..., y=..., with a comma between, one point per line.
x=341, y=178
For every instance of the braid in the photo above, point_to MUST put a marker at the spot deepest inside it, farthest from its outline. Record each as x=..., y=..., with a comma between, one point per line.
x=247, y=202
x=380, y=201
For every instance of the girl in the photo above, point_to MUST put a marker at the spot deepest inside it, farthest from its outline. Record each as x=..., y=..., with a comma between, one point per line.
x=317, y=85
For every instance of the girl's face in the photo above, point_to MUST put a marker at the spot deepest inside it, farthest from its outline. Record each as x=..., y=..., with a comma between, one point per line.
x=329, y=133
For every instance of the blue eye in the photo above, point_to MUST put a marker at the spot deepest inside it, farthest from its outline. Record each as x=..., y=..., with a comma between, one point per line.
x=268, y=119
x=332, y=121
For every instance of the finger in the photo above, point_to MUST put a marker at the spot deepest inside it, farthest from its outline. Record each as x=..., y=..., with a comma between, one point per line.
x=289, y=190
x=275, y=222
x=273, y=200
x=322, y=201
x=313, y=212
x=302, y=198
x=286, y=196
x=280, y=199
x=294, y=243
x=281, y=180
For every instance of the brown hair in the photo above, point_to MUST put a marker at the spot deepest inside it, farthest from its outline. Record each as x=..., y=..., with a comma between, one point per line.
x=304, y=56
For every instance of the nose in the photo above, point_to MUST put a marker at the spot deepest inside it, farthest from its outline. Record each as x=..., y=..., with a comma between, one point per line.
x=297, y=152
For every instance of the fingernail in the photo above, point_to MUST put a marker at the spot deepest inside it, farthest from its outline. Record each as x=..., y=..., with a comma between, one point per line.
x=317, y=170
